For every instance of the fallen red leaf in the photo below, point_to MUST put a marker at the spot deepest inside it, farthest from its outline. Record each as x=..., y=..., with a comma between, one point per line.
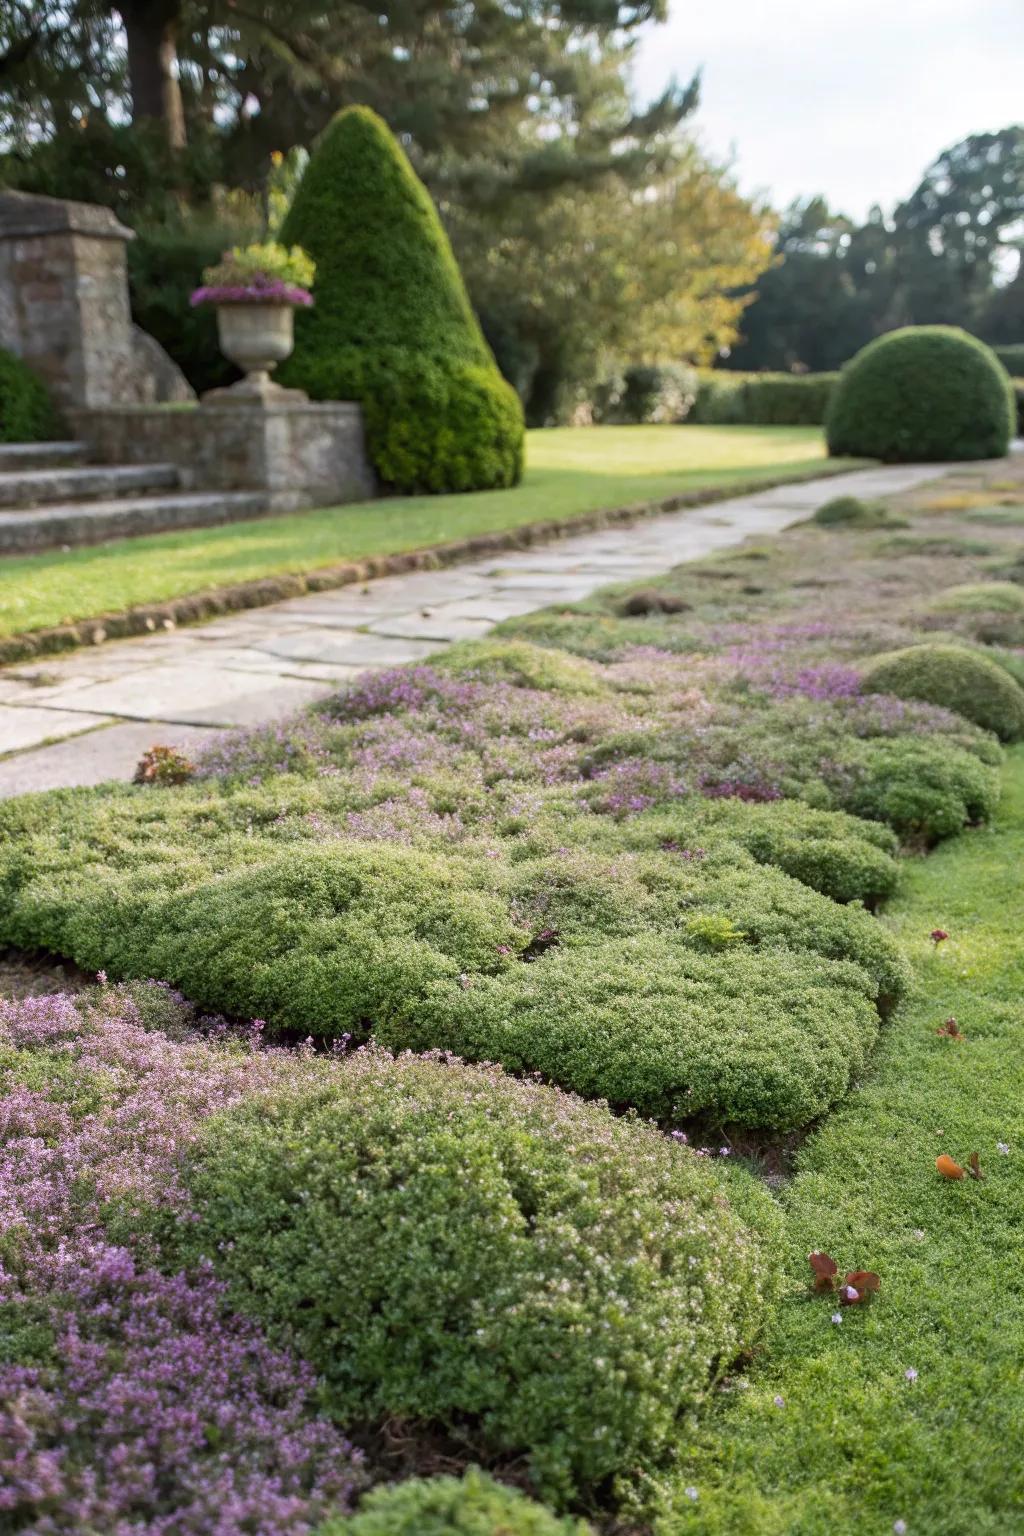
x=951, y=1029
x=825, y=1271
x=948, y=1168
x=864, y=1280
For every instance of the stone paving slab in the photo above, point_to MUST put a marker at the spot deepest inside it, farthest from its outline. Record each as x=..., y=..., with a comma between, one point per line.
x=21, y=728
x=111, y=753
x=349, y=646
x=187, y=695
x=244, y=668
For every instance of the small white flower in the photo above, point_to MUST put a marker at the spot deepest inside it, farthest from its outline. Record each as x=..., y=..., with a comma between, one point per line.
x=779, y=1400
x=1003, y=1147
x=899, y=1528
x=691, y=1493
x=910, y=1373
x=837, y=1318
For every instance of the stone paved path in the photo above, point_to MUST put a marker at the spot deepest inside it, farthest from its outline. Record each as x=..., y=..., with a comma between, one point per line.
x=89, y=716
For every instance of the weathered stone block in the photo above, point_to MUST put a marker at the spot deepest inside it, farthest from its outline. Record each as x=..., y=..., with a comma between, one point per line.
x=299, y=454
x=64, y=305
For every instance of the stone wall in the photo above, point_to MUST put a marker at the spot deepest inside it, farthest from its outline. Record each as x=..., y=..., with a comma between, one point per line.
x=64, y=305
x=300, y=455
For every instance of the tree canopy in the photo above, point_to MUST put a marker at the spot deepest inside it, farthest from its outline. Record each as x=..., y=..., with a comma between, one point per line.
x=950, y=254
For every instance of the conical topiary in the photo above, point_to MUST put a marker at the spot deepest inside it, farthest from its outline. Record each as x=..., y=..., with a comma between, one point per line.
x=393, y=326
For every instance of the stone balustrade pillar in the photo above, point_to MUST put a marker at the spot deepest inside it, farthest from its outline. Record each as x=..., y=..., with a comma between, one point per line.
x=64, y=298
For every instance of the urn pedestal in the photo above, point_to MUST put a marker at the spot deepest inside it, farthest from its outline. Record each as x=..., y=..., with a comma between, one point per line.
x=255, y=337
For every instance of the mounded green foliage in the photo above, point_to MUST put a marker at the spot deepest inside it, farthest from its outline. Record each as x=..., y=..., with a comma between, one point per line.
x=852, y=512
x=523, y=664
x=926, y=789
x=426, y=949
x=26, y=414
x=955, y=678
x=927, y=392
x=473, y=1505
x=710, y=1026
x=446, y=1244
x=980, y=597
x=392, y=325
x=841, y=856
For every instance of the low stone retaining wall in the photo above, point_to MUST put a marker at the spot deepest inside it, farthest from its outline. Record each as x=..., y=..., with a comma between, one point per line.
x=301, y=454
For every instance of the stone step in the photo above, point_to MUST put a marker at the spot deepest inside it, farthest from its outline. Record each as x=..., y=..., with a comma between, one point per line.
x=93, y=482
x=17, y=456
x=91, y=522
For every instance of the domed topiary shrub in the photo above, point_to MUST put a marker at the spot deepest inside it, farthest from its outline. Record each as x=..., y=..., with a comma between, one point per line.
x=26, y=415
x=393, y=327
x=955, y=678
x=928, y=392
x=474, y=1505
x=448, y=1245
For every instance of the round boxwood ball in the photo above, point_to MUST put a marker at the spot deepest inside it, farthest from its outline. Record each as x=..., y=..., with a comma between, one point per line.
x=954, y=678
x=928, y=393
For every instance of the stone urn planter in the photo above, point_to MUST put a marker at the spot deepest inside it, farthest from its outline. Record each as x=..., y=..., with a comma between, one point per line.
x=256, y=290
x=256, y=337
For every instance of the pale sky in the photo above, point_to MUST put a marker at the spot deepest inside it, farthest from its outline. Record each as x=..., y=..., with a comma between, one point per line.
x=852, y=98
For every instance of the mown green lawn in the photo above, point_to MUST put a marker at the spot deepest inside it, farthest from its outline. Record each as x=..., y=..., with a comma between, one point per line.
x=571, y=471
x=835, y=1431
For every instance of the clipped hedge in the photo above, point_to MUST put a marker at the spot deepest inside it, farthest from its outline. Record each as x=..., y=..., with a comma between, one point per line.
x=762, y=399
x=1018, y=394
x=928, y=393
x=26, y=413
x=392, y=324
x=956, y=678
x=473, y=1505
x=447, y=1245
x=1012, y=358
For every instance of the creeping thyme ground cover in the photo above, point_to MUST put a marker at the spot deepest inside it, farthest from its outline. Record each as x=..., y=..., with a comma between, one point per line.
x=643, y=850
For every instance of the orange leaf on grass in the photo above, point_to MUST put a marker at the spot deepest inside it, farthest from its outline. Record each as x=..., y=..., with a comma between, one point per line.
x=825, y=1271
x=948, y=1168
x=863, y=1280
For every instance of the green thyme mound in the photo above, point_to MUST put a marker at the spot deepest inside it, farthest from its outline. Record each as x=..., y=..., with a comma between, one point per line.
x=717, y=986
x=473, y=1505
x=533, y=1272
x=955, y=678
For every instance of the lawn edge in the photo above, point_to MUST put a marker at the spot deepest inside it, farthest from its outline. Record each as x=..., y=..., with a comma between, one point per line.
x=193, y=608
